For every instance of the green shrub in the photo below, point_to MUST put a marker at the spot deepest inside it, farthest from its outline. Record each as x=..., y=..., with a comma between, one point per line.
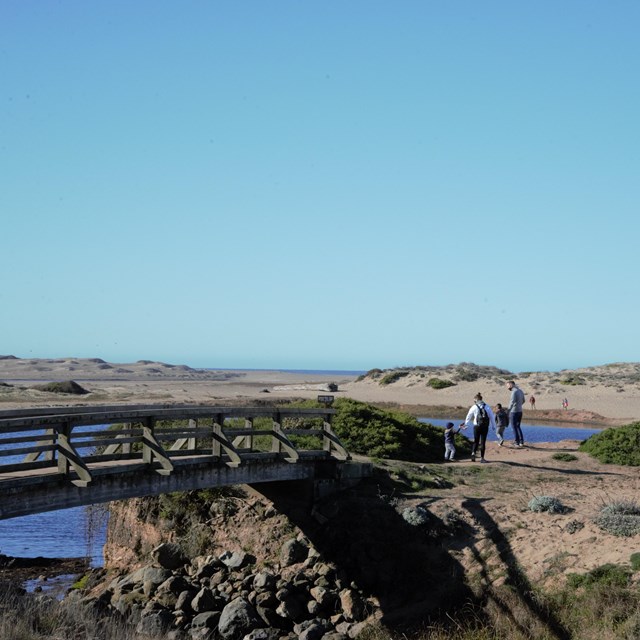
x=609, y=575
x=465, y=375
x=368, y=430
x=620, y=518
x=438, y=383
x=617, y=445
x=635, y=561
x=69, y=386
x=546, y=503
x=392, y=377
x=564, y=457
x=572, y=380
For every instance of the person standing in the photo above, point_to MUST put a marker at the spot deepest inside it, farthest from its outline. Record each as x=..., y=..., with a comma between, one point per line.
x=481, y=417
x=502, y=422
x=515, y=412
x=449, y=442
x=532, y=401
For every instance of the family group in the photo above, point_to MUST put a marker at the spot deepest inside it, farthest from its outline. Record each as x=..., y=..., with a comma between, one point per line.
x=481, y=417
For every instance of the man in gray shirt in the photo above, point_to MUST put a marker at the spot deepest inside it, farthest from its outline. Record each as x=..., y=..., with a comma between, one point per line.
x=515, y=412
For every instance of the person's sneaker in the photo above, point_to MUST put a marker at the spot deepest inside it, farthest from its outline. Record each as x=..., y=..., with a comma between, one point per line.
x=473, y=457
x=500, y=442
x=483, y=460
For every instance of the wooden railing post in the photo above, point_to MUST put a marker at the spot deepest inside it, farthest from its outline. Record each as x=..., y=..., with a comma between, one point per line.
x=191, y=442
x=151, y=449
x=69, y=458
x=276, y=444
x=331, y=442
x=280, y=440
x=217, y=435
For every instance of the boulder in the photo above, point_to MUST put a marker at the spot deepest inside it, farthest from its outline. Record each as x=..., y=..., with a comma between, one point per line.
x=169, y=556
x=154, y=623
x=238, y=619
x=293, y=551
x=207, y=620
x=353, y=607
x=204, y=600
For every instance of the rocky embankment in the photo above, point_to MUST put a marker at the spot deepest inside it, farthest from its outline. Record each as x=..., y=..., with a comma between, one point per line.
x=227, y=596
x=254, y=567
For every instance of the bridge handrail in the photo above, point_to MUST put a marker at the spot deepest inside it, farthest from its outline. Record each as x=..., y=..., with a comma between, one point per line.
x=63, y=445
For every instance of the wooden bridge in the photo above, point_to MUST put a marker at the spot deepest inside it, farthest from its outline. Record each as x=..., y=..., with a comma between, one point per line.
x=65, y=457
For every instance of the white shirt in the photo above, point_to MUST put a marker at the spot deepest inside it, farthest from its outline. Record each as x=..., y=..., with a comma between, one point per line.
x=472, y=416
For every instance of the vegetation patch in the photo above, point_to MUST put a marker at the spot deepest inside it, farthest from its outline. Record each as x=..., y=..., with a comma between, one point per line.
x=464, y=374
x=392, y=377
x=438, y=383
x=621, y=518
x=564, y=457
x=371, y=431
x=635, y=561
x=572, y=380
x=618, y=445
x=546, y=503
x=608, y=575
x=68, y=386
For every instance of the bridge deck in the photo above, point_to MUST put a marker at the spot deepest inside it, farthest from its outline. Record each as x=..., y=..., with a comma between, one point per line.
x=96, y=454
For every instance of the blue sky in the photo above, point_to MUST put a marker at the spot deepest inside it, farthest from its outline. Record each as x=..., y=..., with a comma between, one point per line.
x=330, y=185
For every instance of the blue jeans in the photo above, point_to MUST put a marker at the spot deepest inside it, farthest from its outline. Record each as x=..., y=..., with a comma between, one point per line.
x=515, y=418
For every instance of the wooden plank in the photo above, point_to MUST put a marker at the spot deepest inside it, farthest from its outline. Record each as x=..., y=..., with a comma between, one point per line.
x=25, y=450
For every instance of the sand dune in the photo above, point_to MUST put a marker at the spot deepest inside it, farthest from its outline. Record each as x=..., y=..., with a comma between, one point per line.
x=605, y=394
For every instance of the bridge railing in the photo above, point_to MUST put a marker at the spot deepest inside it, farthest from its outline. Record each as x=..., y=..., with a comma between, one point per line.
x=78, y=443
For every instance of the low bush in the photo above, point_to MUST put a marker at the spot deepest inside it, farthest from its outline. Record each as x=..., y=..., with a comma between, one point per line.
x=546, y=503
x=635, y=561
x=392, y=377
x=609, y=575
x=564, y=457
x=620, y=518
x=438, y=383
x=617, y=445
x=69, y=386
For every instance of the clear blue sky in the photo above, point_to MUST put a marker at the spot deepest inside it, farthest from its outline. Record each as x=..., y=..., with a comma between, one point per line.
x=330, y=185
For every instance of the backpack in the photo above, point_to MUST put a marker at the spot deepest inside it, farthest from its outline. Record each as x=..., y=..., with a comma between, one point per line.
x=483, y=417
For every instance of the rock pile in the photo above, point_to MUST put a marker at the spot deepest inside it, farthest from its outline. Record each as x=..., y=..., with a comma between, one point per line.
x=229, y=597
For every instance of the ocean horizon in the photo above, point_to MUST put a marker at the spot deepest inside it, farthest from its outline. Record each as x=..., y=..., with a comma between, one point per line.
x=319, y=372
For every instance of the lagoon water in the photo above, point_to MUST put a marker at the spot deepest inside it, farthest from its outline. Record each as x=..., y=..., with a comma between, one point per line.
x=532, y=432
x=81, y=532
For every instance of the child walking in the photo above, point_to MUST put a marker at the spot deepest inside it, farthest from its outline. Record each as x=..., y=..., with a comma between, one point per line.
x=449, y=445
x=502, y=422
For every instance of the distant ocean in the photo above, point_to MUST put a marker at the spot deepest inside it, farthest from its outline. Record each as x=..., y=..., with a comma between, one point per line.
x=319, y=372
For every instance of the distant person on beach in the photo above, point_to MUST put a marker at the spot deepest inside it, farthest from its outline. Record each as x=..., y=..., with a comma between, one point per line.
x=481, y=417
x=532, y=402
x=565, y=403
x=449, y=442
x=515, y=412
x=502, y=422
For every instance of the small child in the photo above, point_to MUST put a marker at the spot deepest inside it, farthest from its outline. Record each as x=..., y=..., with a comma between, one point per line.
x=449, y=446
x=502, y=422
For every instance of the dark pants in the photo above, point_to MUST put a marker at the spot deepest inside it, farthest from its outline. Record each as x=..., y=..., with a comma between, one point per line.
x=515, y=419
x=479, y=439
